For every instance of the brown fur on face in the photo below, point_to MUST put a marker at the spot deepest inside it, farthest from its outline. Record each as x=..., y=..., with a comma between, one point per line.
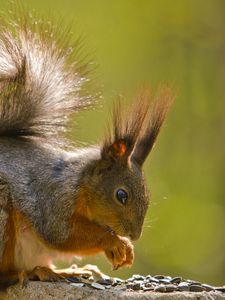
x=103, y=206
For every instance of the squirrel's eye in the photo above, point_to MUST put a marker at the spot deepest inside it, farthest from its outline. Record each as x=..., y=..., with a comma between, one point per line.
x=122, y=196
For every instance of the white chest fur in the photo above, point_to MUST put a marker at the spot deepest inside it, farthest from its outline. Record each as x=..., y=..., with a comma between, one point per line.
x=30, y=252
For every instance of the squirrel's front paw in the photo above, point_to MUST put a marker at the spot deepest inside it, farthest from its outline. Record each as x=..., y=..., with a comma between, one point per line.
x=121, y=254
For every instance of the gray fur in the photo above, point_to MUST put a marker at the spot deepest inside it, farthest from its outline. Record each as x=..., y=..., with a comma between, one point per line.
x=46, y=199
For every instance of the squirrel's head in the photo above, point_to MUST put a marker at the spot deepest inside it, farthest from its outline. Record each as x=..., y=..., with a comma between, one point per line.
x=120, y=198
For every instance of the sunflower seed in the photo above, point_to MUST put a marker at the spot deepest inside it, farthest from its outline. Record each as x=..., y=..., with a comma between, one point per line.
x=196, y=288
x=183, y=287
x=97, y=286
x=78, y=285
x=159, y=276
x=171, y=288
x=160, y=288
x=208, y=287
x=176, y=280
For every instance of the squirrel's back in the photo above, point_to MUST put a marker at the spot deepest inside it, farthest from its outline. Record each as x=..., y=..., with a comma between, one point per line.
x=41, y=81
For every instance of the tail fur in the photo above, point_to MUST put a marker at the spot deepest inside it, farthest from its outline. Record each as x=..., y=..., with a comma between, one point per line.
x=41, y=80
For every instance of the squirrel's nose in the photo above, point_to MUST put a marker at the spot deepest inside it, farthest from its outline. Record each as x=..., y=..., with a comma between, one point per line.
x=135, y=235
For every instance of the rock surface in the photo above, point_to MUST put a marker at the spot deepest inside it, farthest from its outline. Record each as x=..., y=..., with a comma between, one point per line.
x=50, y=291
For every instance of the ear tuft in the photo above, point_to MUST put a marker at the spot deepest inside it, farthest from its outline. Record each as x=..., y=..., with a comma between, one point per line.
x=160, y=105
x=135, y=130
x=127, y=124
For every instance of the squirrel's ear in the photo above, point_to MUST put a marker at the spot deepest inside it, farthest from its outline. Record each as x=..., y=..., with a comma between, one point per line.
x=117, y=150
x=121, y=139
x=152, y=125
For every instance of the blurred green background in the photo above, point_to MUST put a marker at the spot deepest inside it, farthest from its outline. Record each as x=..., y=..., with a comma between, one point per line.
x=147, y=42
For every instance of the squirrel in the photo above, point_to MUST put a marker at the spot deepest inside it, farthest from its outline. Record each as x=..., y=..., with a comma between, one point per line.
x=56, y=202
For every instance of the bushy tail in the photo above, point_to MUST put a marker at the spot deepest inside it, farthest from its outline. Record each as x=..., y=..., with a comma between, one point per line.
x=41, y=81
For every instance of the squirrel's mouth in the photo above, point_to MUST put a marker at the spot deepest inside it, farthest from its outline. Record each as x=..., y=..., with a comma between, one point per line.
x=127, y=230
x=132, y=235
x=121, y=232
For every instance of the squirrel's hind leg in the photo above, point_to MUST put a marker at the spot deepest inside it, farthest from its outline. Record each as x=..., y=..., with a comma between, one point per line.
x=23, y=277
x=40, y=274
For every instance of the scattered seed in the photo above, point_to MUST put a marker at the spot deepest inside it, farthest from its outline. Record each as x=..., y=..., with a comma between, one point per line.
x=117, y=280
x=208, y=287
x=165, y=280
x=107, y=281
x=220, y=289
x=153, y=279
x=183, y=287
x=136, y=286
x=159, y=276
x=176, y=280
x=168, y=277
x=108, y=286
x=196, y=288
x=171, y=288
x=74, y=279
x=160, y=288
x=97, y=286
x=78, y=285
x=148, y=284
x=138, y=277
